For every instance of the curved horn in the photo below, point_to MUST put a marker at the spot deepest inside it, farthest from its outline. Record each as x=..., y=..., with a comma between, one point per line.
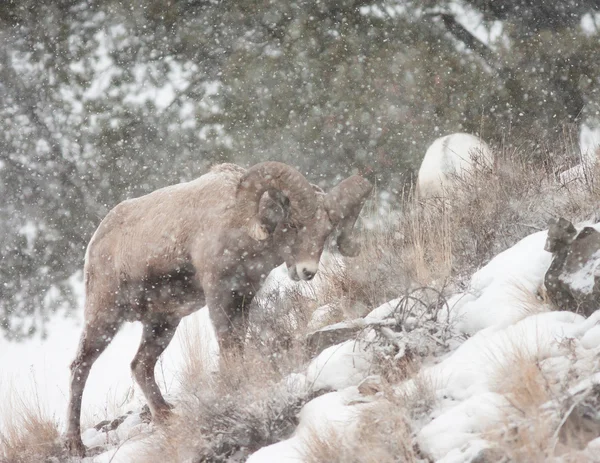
x=274, y=176
x=343, y=204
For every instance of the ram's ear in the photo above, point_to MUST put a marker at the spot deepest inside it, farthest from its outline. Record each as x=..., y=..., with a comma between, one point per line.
x=274, y=208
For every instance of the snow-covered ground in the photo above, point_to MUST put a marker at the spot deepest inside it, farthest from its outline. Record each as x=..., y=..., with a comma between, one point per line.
x=497, y=319
x=495, y=314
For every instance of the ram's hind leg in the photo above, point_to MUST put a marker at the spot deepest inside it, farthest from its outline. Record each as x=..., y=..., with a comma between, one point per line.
x=96, y=336
x=156, y=337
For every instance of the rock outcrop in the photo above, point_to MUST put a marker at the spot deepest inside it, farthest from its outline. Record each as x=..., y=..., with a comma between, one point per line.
x=572, y=281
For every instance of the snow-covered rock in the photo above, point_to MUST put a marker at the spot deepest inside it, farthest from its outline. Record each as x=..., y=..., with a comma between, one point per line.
x=452, y=155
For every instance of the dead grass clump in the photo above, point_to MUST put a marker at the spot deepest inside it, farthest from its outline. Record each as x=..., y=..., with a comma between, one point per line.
x=217, y=425
x=490, y=208
x=520, y=378
x=198, y=360
x=557, y=431
x=429, y=252
x=382, y=435
x=28, y=434
x=427, y=242
x=532, y=303
x=397, y=253
x=494, y=208
x=345, y=292
x=543, y=420
x=416, y=396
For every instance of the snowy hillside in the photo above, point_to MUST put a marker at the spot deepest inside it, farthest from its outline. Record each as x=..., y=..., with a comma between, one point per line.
x=437, y=343
x=510, y=366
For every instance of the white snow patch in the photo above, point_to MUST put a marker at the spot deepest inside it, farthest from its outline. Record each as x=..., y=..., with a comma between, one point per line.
x=589, y=23
x=457, y=427
x=383, y=311
x=583, y=279
x=589, y=140
x=340, y=366
x=333, y=412
x=496, y=292
x=465, y=379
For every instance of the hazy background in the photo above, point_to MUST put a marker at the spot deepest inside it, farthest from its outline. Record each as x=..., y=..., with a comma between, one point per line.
x=105, y=100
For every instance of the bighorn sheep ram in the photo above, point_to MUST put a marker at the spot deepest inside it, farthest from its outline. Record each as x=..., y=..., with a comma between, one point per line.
x=447, y=157
x=211, y=241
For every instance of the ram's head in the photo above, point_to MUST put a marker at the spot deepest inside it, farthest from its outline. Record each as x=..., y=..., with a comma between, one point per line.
x=298, y=216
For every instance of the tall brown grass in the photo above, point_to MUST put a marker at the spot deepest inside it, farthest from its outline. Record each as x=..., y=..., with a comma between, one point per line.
x=429, y=242
x=28, y=434
x=540, y=423
x=382, y=435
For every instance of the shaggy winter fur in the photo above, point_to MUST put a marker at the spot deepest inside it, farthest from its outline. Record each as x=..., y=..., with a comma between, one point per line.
x=210, y=241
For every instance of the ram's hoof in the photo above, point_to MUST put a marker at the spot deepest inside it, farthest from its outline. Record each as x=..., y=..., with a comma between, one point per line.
x=74, y=446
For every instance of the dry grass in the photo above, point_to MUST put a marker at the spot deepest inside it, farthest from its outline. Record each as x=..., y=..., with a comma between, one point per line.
x=28, y=434
x=383, y=431
x=397, y=254
x=382, y=435
x=519, y=377
x=433, y=241
x=535, y=435
x=416, y=396
x=198, y=361
x=230, y=416
x=531, y=303
x=490, y=209
x=531, y=430
x=279, y=323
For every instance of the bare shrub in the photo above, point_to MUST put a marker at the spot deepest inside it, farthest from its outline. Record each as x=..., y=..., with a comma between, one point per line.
x=230, y=414
x=415, y=329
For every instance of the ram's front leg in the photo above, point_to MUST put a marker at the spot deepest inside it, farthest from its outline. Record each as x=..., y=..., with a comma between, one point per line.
x=229, y=315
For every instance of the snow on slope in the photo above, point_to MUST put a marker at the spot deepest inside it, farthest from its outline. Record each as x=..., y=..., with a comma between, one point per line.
x=493, y=311
x=493, y=314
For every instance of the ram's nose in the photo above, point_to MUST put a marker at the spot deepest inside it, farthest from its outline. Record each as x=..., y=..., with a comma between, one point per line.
x=307, y=275
x=307, y=271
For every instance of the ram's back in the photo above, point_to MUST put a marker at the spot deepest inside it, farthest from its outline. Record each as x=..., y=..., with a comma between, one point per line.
x=153, y=234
